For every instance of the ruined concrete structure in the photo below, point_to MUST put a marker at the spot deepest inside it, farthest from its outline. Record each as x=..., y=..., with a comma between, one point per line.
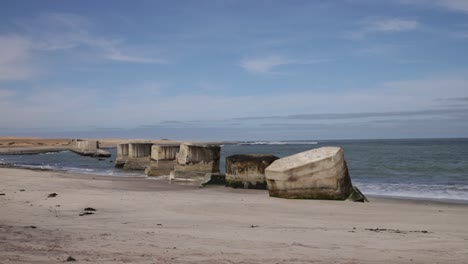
x=138, y=156
x=122, y=155
x=88, y=148
x=247, y=170
x=163, y=160
x=197, y=160
x=315, y=174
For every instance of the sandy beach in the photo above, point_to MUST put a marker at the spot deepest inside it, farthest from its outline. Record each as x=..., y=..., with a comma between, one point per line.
x=12, y=143
x=140, y=220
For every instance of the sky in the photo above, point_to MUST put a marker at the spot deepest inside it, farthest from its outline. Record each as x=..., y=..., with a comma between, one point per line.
x=234, y=70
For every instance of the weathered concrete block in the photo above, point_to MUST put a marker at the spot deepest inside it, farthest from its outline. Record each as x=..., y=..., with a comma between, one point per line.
x=195, y=160
x=122, y=155
x=247, y=170
x=315, y=174
x=162, y=160
x=164, y=152
x=85, y=144
x=136, y=163
x=139, y=150
x=138, y=156
x=213, y=179
x=160, y=168
x=88, y=148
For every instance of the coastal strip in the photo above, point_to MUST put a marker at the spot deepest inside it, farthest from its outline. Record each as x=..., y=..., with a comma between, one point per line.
x=138, y=220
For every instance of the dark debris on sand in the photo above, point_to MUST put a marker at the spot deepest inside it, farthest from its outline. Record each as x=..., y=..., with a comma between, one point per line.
x=88, y=211
x=70, y=258
x=396, y=231
x=52, y=195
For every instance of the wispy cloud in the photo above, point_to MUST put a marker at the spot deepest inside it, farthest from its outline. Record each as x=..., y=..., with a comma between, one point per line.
x=61, y=31
x=462, y=99
x=383, y=25
x=5, y=93
x=458, y=5
x=265, y=65
x=454, y=5
x=333, y=116
x=51, y=108
x=15, y=58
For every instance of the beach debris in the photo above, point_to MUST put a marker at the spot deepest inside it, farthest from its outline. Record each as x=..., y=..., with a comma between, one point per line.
x=357, y=196
x=31, y=226
x=159, y=224
x=254, y=226
x=86, y=213
x=247, y=170
x=319, y=173
x=52, y=195
x=1, y=194
x=397, y=231
x=70, y=258
x=22, y=190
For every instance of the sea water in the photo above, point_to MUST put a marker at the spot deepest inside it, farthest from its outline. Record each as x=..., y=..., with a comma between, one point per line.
x=417, y=168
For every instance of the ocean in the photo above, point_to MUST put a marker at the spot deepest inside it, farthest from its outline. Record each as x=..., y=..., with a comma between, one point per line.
x=428, y=169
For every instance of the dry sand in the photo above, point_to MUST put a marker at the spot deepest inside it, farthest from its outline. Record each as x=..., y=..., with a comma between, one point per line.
x=141, y=220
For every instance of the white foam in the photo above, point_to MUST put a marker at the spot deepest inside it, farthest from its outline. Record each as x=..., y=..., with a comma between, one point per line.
x=423, y=191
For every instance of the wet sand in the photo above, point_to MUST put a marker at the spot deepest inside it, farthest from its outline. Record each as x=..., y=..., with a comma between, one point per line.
x=140, y=220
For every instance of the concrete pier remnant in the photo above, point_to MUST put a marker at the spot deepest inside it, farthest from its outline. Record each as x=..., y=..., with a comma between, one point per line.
x=247, y=170
x=163, y=160
x=196, y=160
x=88, y=148
x=315, y=174
x=122, y=155
x=138, y=156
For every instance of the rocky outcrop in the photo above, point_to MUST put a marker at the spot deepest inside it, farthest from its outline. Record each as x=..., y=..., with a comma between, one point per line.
x=88, y=148
x=315, y=174
x=163, y=160
x=247, y=170
x=357, y=196
x=138, y=156
x=122, y=155
x=196, y=160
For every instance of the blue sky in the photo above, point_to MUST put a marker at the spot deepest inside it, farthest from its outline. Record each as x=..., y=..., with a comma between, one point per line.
x=234, y=70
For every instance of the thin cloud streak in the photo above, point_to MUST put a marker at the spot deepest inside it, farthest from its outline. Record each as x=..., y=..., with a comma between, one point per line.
x=359, y=115
x=265, y=65
x=62, y=31
x=383, y=25
x=453, y=5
